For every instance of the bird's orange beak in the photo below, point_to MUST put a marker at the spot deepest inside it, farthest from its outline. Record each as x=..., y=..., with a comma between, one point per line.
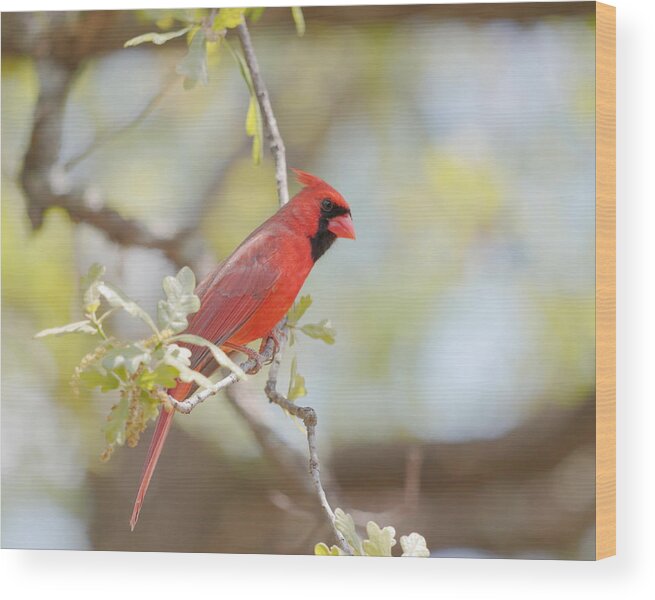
x=342, y=226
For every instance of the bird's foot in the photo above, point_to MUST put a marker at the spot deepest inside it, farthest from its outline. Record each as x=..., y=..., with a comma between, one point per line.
x=275, y=337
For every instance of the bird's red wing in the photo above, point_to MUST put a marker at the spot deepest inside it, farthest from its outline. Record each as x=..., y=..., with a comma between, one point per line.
x=230, y=298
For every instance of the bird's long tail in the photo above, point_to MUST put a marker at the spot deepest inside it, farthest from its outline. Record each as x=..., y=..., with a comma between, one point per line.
x=164, y=423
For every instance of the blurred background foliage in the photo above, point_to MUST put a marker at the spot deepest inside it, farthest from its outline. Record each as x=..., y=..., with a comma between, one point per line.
x=458, y=400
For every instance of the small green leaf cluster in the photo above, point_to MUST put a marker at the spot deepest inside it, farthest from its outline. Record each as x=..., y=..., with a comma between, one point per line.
x=204, y=28
x=200, y=26
x=318, y=331
x=139, y=370
x=380, y=541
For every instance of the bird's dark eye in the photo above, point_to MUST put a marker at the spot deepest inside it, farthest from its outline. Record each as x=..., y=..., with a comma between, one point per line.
x=327, y=205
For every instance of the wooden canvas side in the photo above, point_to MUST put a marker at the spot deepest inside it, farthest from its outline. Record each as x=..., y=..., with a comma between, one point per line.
x=605, y=280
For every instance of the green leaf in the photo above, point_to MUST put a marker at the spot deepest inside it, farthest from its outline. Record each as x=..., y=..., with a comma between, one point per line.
x=93, y=378
x=254, y=121
x=179, y=358
x=89, y=283
x=298, y=19
x=194, y=65
x=380, y=541
x=254, y=129
x=179, y=353
x=298, y=310
x=320, y=331
x=414, y=545
x=156, y=37
x=115, y=428
x=251, y=118
x=163, y=375
x=243, y=67
x=254, y=14
x=78, y=327
x=322, y=549
x=118, y=299
x=219, y=356
x=188, y=375
x=131, y=357
x=297, y=387
x=180, y=302
x=228, y=18
x=186, y=280
x=345, y=524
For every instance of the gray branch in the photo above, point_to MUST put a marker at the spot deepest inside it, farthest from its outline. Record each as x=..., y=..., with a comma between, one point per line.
x=250, y=366
x=308, y=416
x=40, y=165
x=305, y=413
x=56, y=75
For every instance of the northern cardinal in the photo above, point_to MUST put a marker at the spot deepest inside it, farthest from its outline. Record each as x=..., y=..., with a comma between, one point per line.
x=248, y=294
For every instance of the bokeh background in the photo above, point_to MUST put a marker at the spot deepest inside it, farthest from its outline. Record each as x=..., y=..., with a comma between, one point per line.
x=458, y=400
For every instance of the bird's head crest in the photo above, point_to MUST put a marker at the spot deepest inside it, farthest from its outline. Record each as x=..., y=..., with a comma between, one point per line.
x=307, y=179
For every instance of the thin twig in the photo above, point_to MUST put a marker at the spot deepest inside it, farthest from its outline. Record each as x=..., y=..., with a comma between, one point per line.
x=251, y=366
x=106, y=137
x=119, y=229
x=305, y=413
x=39, y=162
x=272, y=132
x=41, y=158
x=308, y=416
x=285, y=457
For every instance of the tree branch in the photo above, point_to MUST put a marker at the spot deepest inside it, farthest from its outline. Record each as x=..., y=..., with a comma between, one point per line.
x=56, y=76
x=251, y=366
x=40, y=163
x=305, y=413
x=308, y=416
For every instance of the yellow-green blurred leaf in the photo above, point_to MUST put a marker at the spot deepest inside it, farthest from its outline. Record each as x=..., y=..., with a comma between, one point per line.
x=298, y=19
x=298, y=310
x=322, y=549
x=346, y=525
x=219, y=356
x=320, y=331
x=78, y=327
x=414, y=545
x=164, y=375
x=118, y=299
x=297, y=387
x=89, y=283
x=156, y=37
x=93, y=378
x=194, y=65
x=254, y=129
x=181, y=300
x=380, y=541
x=228, y=18
x=254, y=14
x=115, y=428
x=130, y=357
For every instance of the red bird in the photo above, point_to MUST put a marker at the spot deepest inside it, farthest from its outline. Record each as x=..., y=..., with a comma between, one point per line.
x=246, y=296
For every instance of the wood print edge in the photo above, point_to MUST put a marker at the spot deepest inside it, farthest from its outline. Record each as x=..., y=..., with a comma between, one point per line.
x=605, y=280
